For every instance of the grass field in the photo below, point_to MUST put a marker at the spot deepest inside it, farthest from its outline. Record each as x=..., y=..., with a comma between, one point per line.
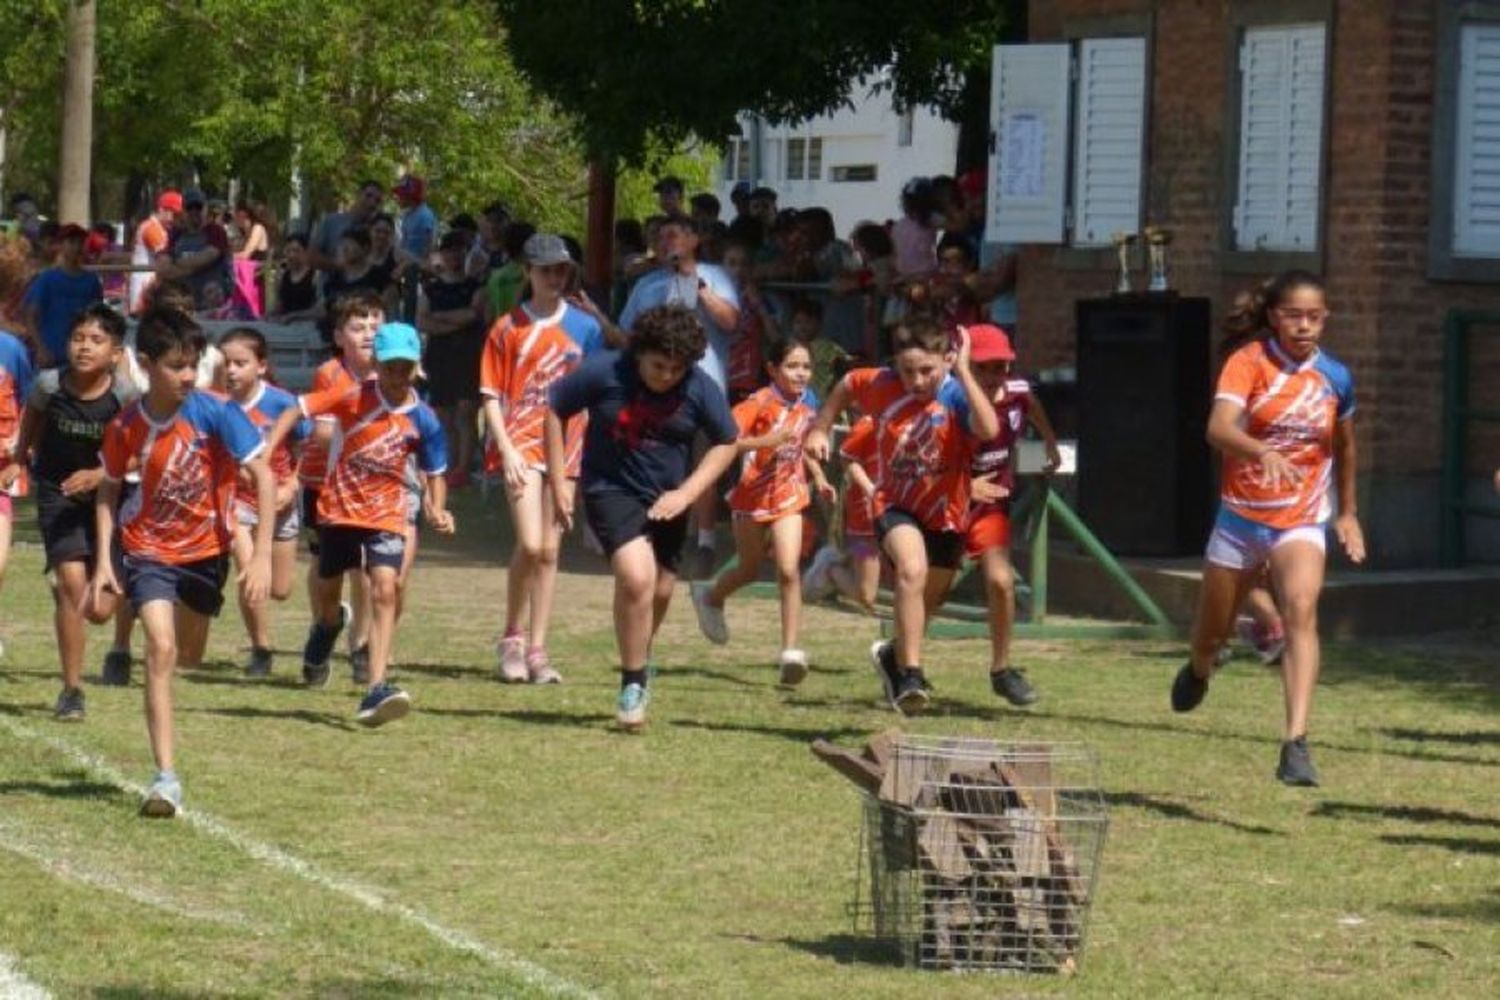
x=505, y=841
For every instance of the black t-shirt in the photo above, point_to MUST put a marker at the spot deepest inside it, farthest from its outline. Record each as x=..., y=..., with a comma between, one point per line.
x=297, y=296
x=336, y=284
x=385, y=269
x=71, y=432
x=638, y=441
x=445, y=295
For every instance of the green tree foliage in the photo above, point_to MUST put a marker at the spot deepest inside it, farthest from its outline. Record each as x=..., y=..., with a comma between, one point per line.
x=346, y=89
x=640, y=75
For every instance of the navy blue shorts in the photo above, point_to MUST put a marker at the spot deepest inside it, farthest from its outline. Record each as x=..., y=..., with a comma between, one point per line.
x=945, y=549
x=342, y=547
x=617, y=519
x=199, y=586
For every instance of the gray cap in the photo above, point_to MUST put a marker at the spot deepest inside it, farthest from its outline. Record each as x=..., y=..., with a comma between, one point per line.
x=542, y=249
x=193, y=196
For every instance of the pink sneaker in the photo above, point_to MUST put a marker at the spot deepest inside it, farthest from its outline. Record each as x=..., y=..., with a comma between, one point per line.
x=540, y=668
x=512, y=649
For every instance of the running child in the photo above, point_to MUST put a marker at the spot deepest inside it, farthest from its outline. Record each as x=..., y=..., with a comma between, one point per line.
x=929, y=413
x=529, y=349
x=355, y=317
x=245, y=366
x=768, y=501
x=644, y=404
x=175, y=530
x=1283, y=418
x=60, y=438
x=854, y=571
x=363, y=507
x=993, y=472
x=15, y=387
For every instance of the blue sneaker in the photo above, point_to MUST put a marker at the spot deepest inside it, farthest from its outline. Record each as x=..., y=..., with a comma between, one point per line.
x=320, y=642
x=630, y=707
x=116, y=669
x=383, y=703
x=164, y=797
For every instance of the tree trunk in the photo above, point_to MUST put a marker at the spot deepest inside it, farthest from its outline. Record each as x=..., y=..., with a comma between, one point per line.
x=78, y=115
x=598, y=252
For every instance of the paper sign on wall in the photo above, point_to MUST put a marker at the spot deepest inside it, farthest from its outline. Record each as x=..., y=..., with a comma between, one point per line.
x=1024, y=136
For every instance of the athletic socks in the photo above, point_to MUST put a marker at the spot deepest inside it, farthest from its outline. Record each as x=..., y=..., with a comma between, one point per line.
x=629, y=677
x=706, y=538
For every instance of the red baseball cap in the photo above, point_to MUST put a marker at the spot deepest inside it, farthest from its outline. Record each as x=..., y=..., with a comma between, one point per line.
x=72, y=231
x=410, y=187
x=988, y=342
x=971, y=184
x=169, y=201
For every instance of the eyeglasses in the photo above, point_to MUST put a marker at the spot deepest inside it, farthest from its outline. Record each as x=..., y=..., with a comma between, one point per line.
x=1313, y=316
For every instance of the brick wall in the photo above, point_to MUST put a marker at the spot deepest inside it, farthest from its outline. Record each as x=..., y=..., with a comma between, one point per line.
x=1388, y=315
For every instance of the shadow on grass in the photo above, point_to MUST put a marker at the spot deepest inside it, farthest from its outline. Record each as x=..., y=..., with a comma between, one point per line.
x=1412, y=814
x=20, y=711
x=280, y=715
x=717, y=675
x=1172, y=809
x=1485, y=907
x=941, y=707
x=795, y=734
x=845, y=949
x=528, y=716
x=1460, y=845
x=238, y=679
x=140, y=993
x=1454, y=679
x=1468, y=737
x=449, y=671
x=79, y=787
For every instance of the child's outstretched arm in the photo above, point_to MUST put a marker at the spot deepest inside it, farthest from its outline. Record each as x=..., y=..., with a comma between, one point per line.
x=435, y=505
x=103, y=581
x=557, y=471
x=837, y=402
x=983, y=422
x=819, y=479
x=1346, y=526
x=713, y=465
x=255, y=576
x=1037, y=414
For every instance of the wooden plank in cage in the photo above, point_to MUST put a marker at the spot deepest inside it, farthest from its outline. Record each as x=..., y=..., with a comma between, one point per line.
x=850, y=764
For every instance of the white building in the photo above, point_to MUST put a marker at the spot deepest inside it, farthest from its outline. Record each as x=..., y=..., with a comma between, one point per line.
x=852, y=162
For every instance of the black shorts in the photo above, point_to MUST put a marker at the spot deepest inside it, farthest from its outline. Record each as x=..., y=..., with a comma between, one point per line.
x=617, y=519
x=309, y=510
x=342, y=547
x=68, y=527
x=198, y=586
x=945, y=549
x=452, y=366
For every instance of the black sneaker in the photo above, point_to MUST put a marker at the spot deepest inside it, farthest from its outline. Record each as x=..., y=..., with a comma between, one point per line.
x=116, y=669
x=69, y=705
x=911, y=693
x=1296, y=767
x=260, y=662
x=320, y=642
x=883, y=659
x=359, y=666
x=1188, y=690
x=1012, y=685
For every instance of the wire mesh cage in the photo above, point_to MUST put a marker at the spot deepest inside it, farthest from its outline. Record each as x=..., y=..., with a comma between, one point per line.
x=981, y=855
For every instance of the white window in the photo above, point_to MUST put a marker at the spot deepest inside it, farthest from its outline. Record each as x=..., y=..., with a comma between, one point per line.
x=1037, y=118
x=854, y=174
x=1109, y=132
x=1282, y=72
x=815, y=159
x=905, y=125
x=737, y=159
x=1476, y=187
x=796, y=159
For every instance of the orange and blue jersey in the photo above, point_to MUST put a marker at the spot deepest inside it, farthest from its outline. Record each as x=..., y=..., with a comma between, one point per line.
x=313, y=464
x=858, y=448
x=1293, y=407
x=268, y=403
x=523, y=356
x=15, y=386
x=187, y=464
x=367, y=484
x=923, y=447
x=773, y=481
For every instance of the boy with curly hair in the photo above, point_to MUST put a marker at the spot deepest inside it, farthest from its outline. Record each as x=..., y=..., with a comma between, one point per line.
x=645, y=404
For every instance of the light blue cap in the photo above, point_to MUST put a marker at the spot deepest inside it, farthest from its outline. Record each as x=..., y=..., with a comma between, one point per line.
x=398, y=342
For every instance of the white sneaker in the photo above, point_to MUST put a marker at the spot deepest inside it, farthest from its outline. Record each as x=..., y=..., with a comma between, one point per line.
x=793, y=664
x=163, y=798
x=710, y=619
x=512, y=651
x=817, y=582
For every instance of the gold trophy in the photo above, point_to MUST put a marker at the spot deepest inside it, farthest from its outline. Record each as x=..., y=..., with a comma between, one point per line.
x=1157, y=241
x=1123, y=242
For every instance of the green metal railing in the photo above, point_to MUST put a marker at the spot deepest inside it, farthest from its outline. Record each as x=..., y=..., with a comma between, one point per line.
x=1457, y=416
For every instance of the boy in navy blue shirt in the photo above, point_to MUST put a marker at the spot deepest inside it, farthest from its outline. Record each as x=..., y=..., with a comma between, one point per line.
x=644, y=405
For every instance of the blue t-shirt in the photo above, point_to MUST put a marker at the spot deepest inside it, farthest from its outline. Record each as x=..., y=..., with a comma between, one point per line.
x=664, y=287
x=584, y=329
x=59, y=297
x=639, y=442
x=418, y=227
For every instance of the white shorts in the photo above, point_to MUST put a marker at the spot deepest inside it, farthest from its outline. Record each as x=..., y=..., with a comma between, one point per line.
x=288, y=522
x=1242, y=544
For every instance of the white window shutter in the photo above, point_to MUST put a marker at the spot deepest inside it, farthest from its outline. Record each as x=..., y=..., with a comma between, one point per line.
x=1108, y=134
x=1476, y=202
x=1281, y=137
x=1028, y=156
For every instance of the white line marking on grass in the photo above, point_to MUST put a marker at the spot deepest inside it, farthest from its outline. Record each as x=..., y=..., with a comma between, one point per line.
x=528, y=972
x=15, y=986
x=72, y=871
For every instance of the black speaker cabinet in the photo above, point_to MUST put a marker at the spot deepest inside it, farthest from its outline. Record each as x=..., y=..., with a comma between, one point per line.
x=1145, y=485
